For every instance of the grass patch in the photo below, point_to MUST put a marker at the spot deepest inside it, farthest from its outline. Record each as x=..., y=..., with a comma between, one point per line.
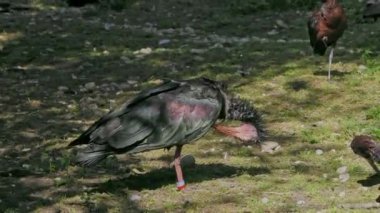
x=49, y=55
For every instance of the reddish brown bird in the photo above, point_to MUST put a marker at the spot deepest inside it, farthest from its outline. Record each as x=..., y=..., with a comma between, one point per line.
x=326, y=25
x=367, y=148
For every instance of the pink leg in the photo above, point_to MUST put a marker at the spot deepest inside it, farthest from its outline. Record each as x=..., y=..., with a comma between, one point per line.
x=177, y=165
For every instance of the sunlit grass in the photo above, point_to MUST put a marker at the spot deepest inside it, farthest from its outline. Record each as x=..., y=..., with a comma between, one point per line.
x=303, y=111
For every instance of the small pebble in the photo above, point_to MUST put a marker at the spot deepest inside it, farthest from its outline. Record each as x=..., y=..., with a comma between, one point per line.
x=301, y=202
x=270, y=147
x=144, y=51
x=298, y=162
x=319, y=152
x=90, y=85
x=132, y=82
x=281, y=23
x=126, y=60
x=135, y=197
x=342, y=170
x=272, y=32
x=265, y=200
x=26, y=150
x=26, y=166
x=107, y=26
x=344, y=177
x=164, y=41
x=362, y=68
x=188, y=161
x=198, y=51
x=198, y=58
x=63, y=88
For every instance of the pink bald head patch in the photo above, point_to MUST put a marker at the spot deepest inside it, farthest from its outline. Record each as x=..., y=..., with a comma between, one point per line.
x=244, y=132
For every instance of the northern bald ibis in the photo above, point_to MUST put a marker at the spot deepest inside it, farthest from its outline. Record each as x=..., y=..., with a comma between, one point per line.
x=174, y=113
x=367, y=148
x=326, y=25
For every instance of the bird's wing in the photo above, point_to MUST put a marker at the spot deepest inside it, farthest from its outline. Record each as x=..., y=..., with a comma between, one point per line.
x=180, y=120
x=108, y=124
x=312, y=28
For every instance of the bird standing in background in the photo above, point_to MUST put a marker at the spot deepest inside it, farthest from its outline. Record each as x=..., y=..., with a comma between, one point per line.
x=367, y=148
x=174, y=113
x=326, y=25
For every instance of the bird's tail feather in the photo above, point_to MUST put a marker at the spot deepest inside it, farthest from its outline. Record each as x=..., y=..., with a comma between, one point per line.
x=83, y=139
x=92, y=155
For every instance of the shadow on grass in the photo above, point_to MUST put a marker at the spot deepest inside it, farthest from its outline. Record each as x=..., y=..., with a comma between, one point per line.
x=166, y=176
x=38, y=182
x=297, y=85
x=335, y=73
x=370, y=180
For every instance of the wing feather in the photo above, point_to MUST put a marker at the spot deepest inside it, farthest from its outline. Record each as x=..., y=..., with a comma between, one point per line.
x=90, y=135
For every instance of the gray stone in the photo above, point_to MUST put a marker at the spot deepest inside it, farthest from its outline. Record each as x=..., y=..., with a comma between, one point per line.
x=272, y=32
x=342, y=170
x=301, y=202
x=281, y=23
x=265, y=200
x=90, y=86
x=319, y=152
x=342, y=194
x=63, y=88
x=186, y=161
x=164, y=41
x=135, y=197
x=344, y=177
x=362, y=68
x=270, y=147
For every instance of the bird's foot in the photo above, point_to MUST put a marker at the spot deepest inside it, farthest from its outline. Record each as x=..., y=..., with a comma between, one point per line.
x=181, y=185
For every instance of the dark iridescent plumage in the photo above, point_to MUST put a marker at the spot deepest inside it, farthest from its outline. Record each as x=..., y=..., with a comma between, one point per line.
x=172, y=114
